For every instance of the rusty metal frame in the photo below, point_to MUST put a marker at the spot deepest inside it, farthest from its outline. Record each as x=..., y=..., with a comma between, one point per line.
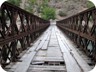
x=18, y=29
x=81, y=28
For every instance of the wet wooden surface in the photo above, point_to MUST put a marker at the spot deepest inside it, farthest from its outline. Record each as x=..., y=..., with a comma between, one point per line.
x=52, y=52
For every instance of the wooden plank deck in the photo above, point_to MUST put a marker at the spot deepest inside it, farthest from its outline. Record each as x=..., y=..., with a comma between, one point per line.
x=71, y=51
x=52, y=51
x=26, y=59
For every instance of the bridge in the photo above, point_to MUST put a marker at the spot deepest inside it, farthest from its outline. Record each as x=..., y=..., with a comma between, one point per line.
x=31, y=44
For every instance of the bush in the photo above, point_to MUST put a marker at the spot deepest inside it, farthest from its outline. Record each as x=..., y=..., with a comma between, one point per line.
x=48, y=13
x=62, y=14
x=90, y=4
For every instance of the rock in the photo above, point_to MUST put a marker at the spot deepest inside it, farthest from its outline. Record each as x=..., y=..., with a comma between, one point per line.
x=70, y=7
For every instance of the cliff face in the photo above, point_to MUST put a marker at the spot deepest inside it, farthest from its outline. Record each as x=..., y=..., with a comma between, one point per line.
x=68, y=7
x=74, y=6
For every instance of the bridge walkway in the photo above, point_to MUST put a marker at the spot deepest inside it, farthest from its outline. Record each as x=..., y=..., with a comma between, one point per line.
x=52, y=52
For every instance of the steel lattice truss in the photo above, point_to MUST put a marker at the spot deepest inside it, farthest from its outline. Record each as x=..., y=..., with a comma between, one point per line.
x=18, y=29
x=81, y=28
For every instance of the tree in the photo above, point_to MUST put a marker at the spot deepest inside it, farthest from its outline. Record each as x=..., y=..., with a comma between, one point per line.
x=48, y=13
x=90, y=4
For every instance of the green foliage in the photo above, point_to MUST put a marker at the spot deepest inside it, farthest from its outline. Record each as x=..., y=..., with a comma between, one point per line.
x=30, y=6
x=44, y=4
x=48, y=13
x=32, y=1
x=62, y=14
x=90, y=4
x=15, y=2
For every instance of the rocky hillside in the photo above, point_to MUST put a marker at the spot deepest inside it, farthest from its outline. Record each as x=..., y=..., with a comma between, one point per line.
x=66, y=8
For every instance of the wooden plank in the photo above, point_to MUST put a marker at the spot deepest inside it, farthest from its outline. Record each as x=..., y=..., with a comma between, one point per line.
x=82, y=63
x=45, y=45
x=38, y=41
x=42, y=41
x=57, y=59
x=44, y=67
x=71, y=64
x=54, y=52
x=23, y=66
x=41, y=53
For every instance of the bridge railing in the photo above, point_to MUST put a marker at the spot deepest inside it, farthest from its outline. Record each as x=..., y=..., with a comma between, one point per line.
x=18, y=29
x=81, y=28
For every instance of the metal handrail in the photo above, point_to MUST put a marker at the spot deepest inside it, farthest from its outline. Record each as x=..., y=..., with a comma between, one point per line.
x=18, y=29
x=81, y=28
